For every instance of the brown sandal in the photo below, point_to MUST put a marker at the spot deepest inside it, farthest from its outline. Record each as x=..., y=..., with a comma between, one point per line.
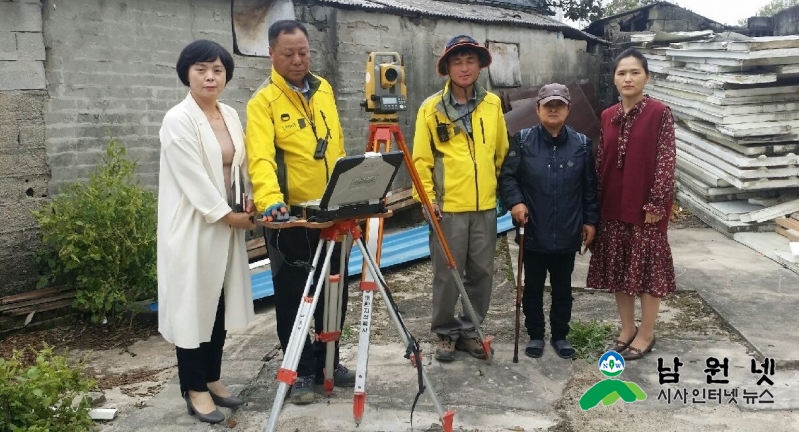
x=620, y=346
x=634, y=353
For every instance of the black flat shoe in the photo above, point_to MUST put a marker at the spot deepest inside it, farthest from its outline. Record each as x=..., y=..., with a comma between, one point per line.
x=213, y=417
x=226, y=402
x=619, y=345
x=634, y=353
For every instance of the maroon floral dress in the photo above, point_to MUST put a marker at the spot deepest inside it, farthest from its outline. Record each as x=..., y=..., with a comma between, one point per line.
x=630, y=256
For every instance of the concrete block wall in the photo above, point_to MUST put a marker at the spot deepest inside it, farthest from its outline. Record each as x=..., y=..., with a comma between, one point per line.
x=111, y=72
x=73, y=74
x=116, y=74
x=545, y=57
x=24, y=173
x=786, y=22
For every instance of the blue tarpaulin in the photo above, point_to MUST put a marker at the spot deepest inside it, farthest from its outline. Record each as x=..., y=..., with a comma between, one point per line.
x=398, y=248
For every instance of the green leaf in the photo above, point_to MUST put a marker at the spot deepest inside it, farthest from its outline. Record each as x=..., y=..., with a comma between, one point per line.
x=95, y=230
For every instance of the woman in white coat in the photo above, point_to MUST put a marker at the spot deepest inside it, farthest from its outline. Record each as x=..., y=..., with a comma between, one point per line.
x=203, y=274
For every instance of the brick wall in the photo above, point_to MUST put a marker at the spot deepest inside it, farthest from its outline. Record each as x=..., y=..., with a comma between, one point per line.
x=24, y=173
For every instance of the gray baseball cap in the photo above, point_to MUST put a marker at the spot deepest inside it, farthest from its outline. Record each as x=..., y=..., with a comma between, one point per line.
x=552, y=92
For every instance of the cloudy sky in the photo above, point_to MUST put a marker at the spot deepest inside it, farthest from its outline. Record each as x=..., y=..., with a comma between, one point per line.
x=723, y=11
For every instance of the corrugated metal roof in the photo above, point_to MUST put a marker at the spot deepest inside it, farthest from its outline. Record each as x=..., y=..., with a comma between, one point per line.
x=464, y=12
x=598, y=26
x=539, y=6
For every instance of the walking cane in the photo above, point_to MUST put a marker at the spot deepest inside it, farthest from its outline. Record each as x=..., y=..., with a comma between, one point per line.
x=519, y=290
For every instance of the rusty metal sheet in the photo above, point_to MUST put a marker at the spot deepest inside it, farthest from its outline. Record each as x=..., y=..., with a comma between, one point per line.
x=582, y=116
x=505, y=69
x=251, y=21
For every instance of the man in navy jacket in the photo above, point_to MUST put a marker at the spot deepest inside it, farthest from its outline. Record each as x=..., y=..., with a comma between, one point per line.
x=549, y=182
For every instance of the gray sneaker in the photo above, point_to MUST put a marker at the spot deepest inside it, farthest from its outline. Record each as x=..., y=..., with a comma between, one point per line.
x=342, y=377
x=302, y=393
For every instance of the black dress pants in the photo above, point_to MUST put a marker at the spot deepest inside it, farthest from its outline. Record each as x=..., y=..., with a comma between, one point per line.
x=291, y=252
x=560, y=267
x=202, y=365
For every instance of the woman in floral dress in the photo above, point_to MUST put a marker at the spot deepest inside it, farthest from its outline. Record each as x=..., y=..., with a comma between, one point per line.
x=635, y=163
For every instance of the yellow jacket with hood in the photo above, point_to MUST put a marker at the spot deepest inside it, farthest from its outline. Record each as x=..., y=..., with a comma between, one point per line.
x=283, y=129
x=461, y=173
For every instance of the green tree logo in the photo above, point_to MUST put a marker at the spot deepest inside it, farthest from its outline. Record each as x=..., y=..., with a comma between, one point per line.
x=610, y=390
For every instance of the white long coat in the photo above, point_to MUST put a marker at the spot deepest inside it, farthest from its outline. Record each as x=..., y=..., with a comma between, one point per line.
x=198, y=253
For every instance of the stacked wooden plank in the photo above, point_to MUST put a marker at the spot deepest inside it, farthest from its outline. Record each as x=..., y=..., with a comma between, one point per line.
x=788, y=227
x=737, y=108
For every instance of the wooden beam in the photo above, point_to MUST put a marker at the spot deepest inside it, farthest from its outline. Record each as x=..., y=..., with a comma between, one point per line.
x=37, y=301
x=790, y=234
x=788, y=223
x=36, y=294
x=41, y=308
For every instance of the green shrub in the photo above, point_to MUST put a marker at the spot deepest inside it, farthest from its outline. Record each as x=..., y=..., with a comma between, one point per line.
x=100, y=236
x=589, y=339
x=40, y=397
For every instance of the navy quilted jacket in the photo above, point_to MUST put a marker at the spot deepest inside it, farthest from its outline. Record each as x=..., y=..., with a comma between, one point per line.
x=556, y=179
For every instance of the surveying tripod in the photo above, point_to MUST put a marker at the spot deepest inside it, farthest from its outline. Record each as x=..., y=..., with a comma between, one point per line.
x=381, y=132
x=345, y=231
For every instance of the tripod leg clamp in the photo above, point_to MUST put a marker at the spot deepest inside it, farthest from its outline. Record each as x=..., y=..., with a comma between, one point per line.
x=413, y=359
x=287, y=376
x=487, y=347
x=326, y=337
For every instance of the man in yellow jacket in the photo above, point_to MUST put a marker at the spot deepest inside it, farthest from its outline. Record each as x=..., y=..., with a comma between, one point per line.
x=460, y=143
x=293, y=140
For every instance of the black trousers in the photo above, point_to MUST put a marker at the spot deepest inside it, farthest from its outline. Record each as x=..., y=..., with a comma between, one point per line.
x=291, y=252
x=202, y=365
x=560, y=267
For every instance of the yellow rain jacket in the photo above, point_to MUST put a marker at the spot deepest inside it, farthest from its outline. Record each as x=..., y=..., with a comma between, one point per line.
x=460, y=174
x=283, y=130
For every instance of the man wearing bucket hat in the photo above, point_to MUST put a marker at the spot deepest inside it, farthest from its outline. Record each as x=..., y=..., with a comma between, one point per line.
x=549, y=182
x=458, y=148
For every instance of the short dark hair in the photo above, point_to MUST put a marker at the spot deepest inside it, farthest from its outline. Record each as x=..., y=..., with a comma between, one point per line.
x=203, y=51
x=631, y=52
x=284, y=26
x=464, y=51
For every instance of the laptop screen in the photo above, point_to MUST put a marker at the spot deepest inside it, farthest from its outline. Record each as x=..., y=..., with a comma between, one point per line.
x=361, y=179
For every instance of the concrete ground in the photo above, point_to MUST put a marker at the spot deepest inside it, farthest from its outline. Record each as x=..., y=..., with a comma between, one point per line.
x=732, y=303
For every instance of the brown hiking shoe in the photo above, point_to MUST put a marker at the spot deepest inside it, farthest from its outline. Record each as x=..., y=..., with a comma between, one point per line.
x=445, y=352
x=471, y=346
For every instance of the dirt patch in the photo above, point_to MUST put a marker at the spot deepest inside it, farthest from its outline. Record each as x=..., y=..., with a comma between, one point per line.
x=681, y=218
x=108, y=381
x=79, y=335
x=685, y=314
x=411, y=288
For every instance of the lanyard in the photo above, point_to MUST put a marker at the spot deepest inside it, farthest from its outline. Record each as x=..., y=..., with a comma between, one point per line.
x=308, y=116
